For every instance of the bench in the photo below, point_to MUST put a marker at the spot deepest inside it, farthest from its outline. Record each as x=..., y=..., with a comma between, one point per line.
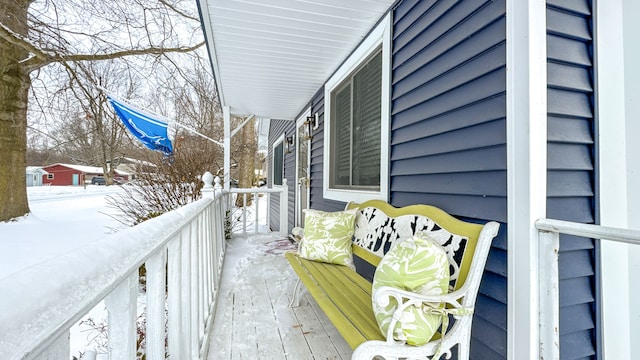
x=345, y=297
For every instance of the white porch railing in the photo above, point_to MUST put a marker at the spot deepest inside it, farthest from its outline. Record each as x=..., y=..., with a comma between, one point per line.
x=185, y=246
x=256, y=195
x=549, y=246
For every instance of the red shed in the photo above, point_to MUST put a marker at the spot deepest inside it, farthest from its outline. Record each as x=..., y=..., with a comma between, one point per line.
x=67, y=174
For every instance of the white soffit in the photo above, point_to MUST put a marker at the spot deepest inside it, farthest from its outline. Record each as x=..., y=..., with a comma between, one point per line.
x=271, y=56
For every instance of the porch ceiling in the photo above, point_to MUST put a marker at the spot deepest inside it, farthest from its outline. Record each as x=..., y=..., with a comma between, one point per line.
x=270, y=57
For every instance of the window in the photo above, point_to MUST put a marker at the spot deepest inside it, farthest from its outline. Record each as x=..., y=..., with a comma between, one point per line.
x=355, y=130
x=357, y=122
x=50, y=176
x=278, y=162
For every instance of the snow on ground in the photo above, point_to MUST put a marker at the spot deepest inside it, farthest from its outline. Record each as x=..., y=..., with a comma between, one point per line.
x=64, y=218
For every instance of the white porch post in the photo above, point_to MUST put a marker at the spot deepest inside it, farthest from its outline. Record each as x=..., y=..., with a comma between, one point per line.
x=284, y=208
x=527, y=169
x=611, y=116
x=632, y=107
x=227, y=147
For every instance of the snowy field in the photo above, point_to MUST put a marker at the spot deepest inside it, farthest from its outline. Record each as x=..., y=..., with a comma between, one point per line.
x=62, y=219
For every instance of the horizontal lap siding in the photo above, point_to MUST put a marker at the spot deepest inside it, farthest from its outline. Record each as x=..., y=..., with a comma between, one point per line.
x=277, y=128
x=448, y=131
x=570, y=175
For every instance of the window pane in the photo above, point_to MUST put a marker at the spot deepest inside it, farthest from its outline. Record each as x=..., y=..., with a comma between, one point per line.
x=278, y=164
x=367, y=94
x=342, y=136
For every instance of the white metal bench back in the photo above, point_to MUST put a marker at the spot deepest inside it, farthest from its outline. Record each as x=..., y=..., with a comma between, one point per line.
x=378, y=233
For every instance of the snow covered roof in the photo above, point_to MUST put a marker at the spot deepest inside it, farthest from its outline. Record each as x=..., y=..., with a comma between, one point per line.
x=87, y=169
x=36, y=169
x=139, y=162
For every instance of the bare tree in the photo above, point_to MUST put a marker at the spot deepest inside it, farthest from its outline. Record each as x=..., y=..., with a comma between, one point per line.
x=245, y=149
x=37, y=33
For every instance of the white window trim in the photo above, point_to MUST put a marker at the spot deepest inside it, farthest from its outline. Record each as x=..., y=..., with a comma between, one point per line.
x=300, y=123
x=273, y=168
x=381, y=35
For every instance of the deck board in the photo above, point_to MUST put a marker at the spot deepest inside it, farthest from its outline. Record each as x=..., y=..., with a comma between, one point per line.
x=253, y=320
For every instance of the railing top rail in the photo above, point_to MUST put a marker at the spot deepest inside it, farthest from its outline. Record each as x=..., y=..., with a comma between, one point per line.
x=255, y=190
x=628, y=236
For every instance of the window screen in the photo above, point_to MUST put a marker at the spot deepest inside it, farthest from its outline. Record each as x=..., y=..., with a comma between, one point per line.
x=355, y=124
x=278, y=164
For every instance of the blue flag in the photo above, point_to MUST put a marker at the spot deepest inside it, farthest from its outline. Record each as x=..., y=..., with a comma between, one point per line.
x=148, y=128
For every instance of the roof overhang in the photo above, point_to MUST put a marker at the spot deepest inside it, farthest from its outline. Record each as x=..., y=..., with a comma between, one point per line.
x=270, y=57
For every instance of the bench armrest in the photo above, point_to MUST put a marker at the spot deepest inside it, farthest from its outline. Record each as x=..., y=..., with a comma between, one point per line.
x=406, y=299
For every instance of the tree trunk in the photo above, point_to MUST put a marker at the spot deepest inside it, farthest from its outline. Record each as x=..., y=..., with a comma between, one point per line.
x=14, y=95
x=246, y=168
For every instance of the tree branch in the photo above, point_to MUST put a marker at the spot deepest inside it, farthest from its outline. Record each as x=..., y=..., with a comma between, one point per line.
x=18, y=40
x=178, y=11
x=34, y=63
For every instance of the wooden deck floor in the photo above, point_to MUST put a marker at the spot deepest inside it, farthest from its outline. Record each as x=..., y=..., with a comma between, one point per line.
x=253, y=320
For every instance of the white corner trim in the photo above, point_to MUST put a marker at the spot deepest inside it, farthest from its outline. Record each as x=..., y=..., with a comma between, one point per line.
x=381, y=35
x=527, y=169
x=612, y=191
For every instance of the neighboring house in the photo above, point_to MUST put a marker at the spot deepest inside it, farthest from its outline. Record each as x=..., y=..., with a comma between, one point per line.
x=34, y=175
x=134, y=166
x=67, y=174
x=504, y=110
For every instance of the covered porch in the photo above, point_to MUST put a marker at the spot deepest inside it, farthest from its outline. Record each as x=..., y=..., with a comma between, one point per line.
x=545, y=78
x=269, y=61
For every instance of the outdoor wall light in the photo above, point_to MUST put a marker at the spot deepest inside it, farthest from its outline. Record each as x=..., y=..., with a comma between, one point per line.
x=289, y=143
x=310, y=124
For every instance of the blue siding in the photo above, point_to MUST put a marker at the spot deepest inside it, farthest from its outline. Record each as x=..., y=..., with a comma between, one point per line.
x=570, y=176
x=448, y=132
x=277, y=128
x=448, y=144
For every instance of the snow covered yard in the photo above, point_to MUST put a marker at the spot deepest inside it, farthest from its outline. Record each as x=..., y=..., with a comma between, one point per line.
x=62, y=219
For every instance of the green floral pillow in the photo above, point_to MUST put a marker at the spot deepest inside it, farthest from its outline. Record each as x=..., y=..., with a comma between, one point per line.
x=417, y=264
x=328, y=236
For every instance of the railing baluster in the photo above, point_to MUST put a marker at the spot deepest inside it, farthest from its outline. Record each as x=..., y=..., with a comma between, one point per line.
x=122, y=305
x=185, y=271
x=549, y=247
x=244, y=213
x=175, y=298
x=194, y=289
x=256, y=198
x=156, y=289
